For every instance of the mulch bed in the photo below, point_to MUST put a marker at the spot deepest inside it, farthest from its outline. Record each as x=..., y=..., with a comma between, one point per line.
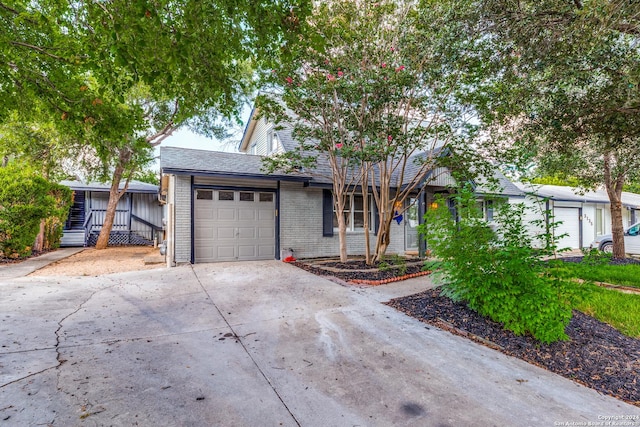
x=356, y=271
x=597, y=355
x=613, y=261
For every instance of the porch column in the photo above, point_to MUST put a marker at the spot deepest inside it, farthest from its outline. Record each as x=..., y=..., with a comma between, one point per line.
x=422, y=210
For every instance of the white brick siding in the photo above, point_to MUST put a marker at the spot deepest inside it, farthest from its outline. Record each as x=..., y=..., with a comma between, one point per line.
x=301, y=226
x=183, y=219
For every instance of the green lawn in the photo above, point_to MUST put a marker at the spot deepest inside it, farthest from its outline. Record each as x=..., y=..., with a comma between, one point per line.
x=618, y=309
x=627, y=275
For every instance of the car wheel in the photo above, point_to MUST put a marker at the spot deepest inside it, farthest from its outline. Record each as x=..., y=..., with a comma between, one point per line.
x=607, y=247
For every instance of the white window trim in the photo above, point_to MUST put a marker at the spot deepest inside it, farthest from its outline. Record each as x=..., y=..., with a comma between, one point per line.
x=351, y=228
x=485, y=207
x=600, y=224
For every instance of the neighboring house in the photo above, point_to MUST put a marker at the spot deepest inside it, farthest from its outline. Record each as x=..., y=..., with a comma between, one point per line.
x=138, y=219
x=223, y=207
x=582, y=216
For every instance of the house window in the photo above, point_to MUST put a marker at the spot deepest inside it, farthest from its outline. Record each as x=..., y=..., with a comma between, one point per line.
x=626, y=217
x=354, y=214
x=272, y=141
x=486, y=208
x=599, y=222
x=253, y=149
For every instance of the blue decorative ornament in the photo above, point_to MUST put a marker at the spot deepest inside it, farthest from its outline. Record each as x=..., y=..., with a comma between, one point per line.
x=397, y=217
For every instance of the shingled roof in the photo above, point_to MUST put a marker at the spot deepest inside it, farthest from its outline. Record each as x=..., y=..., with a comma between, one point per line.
x=571, y=194
x=204, y=162
x=134, y=186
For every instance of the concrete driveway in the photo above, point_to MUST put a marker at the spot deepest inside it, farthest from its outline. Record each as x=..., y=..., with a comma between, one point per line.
x=256, y=344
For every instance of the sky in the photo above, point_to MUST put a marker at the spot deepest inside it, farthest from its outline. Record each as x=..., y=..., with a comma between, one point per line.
x=184, y=138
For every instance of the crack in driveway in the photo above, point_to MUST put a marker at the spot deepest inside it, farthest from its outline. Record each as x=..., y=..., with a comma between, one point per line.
x=60, y=361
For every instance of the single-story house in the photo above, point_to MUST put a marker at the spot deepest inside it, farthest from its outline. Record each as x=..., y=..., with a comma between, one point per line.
x=581, y=216
x=138, y=218
x=222, y=207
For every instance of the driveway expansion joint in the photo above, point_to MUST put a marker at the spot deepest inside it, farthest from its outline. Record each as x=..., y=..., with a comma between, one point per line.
x=246, y=350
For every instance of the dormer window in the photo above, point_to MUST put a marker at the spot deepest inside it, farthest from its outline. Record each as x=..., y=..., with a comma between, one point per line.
x=272, y=141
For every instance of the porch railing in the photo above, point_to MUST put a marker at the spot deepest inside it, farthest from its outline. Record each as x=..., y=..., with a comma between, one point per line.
x=124, y=223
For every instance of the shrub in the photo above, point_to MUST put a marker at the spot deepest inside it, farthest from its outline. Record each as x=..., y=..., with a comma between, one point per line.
x=25, y=200
x=496, y=272
x=596, y=257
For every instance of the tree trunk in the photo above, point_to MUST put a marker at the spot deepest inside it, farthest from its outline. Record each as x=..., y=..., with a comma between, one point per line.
x=384, y=236
x=342, y=236
x=617, y=229
x=614, y=191
x=384, y=240
x=365, y=211
x=110, y=214
x=38, y=245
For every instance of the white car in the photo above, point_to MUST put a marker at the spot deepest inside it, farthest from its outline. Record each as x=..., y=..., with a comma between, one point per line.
x=631, y=241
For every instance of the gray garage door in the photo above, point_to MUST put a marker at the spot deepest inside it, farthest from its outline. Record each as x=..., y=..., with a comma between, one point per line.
x=234, y=225
x=570, y=227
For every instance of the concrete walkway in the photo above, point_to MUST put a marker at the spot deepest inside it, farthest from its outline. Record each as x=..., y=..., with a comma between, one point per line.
x=28, y=266
x=257, y=344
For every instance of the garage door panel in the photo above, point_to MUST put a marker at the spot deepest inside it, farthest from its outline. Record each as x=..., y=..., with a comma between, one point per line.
x=206, y=233
x=246, y=233
x=226, y=214
x=204, y=250
x=266, y=233
x=204, y=214
x=225, y=252
x=247, y=215
x=266, y=251
x=266, y=215
x=247, y=252
x=225, y=233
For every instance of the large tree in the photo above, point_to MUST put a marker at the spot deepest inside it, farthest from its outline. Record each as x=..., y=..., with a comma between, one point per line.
x=370, y=93
x=560, y=81
x=123, y=75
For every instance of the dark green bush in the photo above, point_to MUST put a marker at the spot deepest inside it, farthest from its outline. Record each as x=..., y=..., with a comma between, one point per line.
x=496, y=271
x=25, y=200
